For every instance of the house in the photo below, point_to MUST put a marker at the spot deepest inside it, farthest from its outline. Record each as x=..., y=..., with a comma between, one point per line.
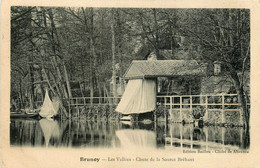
x=213, y=82
x=178, y=77
x=145, y=80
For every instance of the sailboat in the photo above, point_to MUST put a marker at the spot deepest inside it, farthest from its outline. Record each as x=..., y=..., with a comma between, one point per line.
x=49, y=108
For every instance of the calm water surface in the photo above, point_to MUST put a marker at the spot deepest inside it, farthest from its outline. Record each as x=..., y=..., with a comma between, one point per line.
x=114, y=134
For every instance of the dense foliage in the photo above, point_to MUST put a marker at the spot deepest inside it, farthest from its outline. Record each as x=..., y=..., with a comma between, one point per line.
x=64, y=49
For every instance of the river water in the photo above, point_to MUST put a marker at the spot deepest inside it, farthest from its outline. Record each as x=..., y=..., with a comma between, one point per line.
x=115, y=134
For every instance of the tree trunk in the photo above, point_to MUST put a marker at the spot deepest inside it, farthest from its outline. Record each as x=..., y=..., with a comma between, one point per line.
x=113, y=54
x=55, y=84
x=55, y=50
x=242, y=99
x=67, y=79
x=52, y=89
x=31, y=83
x=99, y=92
x=20, y=95
x=41, y=85
x=93, y=61
x=30, y=59
x=156, y=34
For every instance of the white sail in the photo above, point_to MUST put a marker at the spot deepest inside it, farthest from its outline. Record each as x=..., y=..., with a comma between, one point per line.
x=49, y=108
x=139, y=97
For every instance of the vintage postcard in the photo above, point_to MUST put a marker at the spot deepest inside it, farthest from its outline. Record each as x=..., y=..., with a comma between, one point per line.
x=130, y=83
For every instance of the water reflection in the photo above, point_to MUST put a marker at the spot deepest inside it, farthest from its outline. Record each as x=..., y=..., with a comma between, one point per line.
x=50, y=129
x=207, y=138
x=136, y=138
x=114, y=134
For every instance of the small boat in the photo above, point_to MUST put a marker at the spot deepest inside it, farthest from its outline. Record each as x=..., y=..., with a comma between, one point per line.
x=49, y=108
x=30, y=111
x=129, y=123
x=126, y=118
x=147, y=121
x=23, y=115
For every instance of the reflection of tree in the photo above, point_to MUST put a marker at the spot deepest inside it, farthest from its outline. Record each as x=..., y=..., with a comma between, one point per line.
x=25, y=132
x=246, y=140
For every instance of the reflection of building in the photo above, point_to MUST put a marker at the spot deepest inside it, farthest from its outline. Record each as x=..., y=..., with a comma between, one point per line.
x=207, y=138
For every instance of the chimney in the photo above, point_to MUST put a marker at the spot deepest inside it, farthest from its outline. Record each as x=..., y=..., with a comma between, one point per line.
x=217, y=67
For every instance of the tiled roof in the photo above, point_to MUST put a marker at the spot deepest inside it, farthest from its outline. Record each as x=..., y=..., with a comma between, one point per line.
x=160, y=68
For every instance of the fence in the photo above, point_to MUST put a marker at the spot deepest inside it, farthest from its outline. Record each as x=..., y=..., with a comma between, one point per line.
x=78, y=103
x=83, y=101
x=222, y=102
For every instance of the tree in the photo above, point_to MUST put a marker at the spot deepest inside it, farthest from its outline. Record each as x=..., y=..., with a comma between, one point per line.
x=113, y=53
x=85, y=44
x=224, y=35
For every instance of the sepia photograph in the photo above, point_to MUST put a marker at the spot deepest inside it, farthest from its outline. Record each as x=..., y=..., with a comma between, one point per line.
x=176, y=81
x=125, y=77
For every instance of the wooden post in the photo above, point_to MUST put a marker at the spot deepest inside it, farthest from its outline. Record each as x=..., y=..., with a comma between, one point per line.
x=88, y=111
x=240, y=113
x=223, y=107
x=191, y=138
x=181, y=131
x=207, y=112
x=181, y=108
x=172, y=103
x=155, y=117
x=77, y=107
x=223, y=137
x=241, y=136
x=207, y=137
x=168, y=114
x=171, y=133
x=191, y=105
x=165, y=110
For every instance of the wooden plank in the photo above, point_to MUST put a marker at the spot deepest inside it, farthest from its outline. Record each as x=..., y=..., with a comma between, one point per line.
x=207, y=112
x=198, y=95
x=223, y=136
x=181, y=108
x=222, y=111
x=191, y=104
x=77, y=107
